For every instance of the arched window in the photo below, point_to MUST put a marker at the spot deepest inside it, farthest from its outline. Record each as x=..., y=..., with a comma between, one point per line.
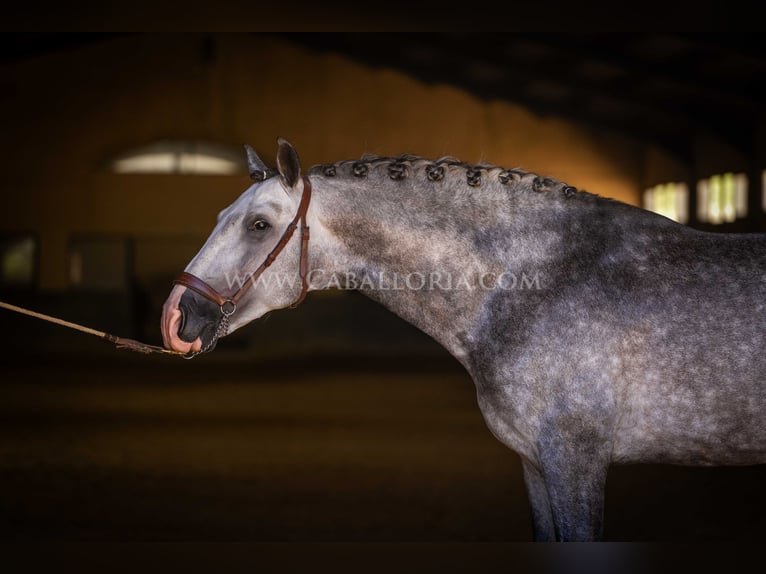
x=182, y=157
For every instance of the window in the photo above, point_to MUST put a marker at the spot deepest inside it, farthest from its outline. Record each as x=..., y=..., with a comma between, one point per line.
x=670, y=200
x=722, y=198
x=182, y=157
x=18, y=261
x=99, y=263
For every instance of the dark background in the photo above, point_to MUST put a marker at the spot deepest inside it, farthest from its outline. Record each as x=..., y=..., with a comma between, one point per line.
x=374, y=438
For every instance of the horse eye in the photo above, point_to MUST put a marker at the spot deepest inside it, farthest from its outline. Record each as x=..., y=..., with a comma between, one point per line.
x=260, y=225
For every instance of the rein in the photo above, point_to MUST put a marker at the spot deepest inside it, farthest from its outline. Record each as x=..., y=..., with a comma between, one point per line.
x=228, y=305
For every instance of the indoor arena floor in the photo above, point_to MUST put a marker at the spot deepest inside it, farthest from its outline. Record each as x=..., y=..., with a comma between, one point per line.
x=158, y=450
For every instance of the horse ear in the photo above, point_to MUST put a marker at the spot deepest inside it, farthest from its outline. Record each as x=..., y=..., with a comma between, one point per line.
x=288, y=164
x=258, y=170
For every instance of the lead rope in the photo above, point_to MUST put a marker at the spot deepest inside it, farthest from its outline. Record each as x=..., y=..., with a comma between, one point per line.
x=120, y=342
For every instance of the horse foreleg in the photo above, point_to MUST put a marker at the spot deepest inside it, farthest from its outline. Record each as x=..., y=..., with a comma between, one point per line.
x=542, y=517
x=573, y=463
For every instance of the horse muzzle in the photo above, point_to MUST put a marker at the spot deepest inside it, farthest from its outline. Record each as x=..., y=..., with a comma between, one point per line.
x=182, y=330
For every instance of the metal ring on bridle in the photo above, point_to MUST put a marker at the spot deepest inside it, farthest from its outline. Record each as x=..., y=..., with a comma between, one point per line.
x=228, y=304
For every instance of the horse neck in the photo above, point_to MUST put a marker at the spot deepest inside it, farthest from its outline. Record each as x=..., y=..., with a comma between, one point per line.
x=433, y=256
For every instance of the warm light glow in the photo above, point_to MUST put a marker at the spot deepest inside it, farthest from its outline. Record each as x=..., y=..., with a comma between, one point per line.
x=181, y=157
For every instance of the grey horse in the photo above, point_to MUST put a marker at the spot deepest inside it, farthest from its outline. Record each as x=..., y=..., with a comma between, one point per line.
x=595, y=332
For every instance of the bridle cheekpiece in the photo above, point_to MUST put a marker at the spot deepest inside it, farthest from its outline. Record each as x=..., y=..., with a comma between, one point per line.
x=228, y=305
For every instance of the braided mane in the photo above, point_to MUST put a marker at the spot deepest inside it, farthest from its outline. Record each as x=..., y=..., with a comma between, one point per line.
x=446, y=168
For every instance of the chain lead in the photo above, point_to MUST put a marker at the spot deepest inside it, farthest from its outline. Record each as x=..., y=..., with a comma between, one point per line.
x=220, y=331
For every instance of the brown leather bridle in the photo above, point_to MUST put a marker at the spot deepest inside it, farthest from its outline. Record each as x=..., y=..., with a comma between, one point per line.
x=228, y=305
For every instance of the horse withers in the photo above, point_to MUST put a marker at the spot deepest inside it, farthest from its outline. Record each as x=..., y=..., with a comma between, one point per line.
x=595, y=332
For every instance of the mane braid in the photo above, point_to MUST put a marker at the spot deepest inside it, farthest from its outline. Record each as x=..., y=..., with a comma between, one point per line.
x=403, y=166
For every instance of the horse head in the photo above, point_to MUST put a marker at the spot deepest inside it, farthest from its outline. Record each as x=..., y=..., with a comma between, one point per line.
x=252, y=262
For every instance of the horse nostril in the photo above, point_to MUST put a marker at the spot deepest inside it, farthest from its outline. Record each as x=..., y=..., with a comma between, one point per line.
x=182, y=323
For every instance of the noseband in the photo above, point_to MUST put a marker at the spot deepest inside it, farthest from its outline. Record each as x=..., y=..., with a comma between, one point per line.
x=228, y=305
